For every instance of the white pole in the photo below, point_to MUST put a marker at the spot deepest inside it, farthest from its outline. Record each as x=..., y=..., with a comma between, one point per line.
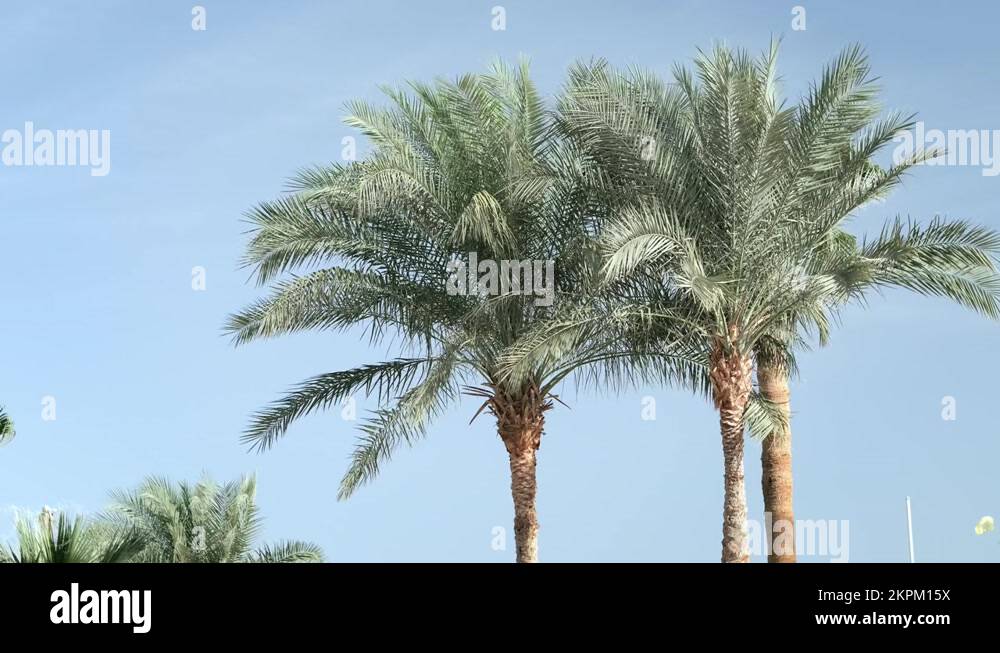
x=909, y=526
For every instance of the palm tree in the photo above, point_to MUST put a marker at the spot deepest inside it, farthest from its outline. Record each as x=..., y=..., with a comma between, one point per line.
x=458, y=169
x=954, y=260
x=701, y=243
x=731, y=212
x=200, y=523
x=79, y=540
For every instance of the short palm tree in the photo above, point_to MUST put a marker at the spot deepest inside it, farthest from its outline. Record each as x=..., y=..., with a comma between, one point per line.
x=204, y=522
x=76, y=541
x=462, y=168
x=737, y=230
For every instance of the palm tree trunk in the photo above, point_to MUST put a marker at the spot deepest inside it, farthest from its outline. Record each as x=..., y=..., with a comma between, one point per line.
x=734, y=509
x=522, y=488
x=776, y=466
x=731, y=383
x=520, y=422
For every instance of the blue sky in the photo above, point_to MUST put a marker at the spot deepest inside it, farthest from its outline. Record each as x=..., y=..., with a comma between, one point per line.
x=99, y=312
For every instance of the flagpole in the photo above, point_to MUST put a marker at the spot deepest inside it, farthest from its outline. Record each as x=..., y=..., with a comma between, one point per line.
x=909, y=526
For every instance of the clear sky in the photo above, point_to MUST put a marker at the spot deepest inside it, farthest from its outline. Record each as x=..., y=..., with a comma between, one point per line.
x=99, y=312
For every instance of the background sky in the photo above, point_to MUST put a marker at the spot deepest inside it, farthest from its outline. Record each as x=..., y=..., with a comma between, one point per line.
x=99, y=312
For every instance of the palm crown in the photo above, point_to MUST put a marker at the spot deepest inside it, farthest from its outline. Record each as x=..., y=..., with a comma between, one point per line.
x=70, y=540
x=203, y=522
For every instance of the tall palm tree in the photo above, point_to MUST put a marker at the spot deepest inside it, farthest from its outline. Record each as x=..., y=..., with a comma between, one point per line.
x=76, y=541
x=204, y=522
x=731, y=208
x=458, y=169
x=955, y=260
x=692, y=248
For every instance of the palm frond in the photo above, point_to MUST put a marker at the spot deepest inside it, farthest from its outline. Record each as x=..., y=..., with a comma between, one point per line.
x=325, y=390
x=285, y=552
x=404, y=423
x=7, y=432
